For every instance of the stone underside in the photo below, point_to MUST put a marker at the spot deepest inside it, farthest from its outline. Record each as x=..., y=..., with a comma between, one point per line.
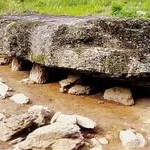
x=107, y=47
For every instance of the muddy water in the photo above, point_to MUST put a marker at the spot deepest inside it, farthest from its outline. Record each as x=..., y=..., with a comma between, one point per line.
x=110, y=117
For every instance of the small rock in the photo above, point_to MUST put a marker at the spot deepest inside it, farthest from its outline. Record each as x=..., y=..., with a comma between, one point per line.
x=70, y=80
x=27, y=81
x=80, y=90
x=44, y=137
x=14, y=125
x=120, y=95
x=130, y=138
x=62, y=118
x=85, y=122
x=20, y=99
x=43, y=113
x=4, y=90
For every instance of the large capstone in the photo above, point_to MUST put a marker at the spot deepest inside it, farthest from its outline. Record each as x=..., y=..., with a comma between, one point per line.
x=102, y=46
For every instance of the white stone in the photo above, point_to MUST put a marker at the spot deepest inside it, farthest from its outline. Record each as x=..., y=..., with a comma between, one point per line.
x=20, y=99
x=43, y=113
x=62, y=118
x=130, y=138
x=73, y=119
x=85, y=122
x=120, y=95
x=4, y=90
x=44, y=137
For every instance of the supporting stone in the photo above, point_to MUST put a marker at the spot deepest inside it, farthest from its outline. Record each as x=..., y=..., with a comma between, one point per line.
x=120, y=95
x=16, y=64
x=39, y=74
x=19, y=64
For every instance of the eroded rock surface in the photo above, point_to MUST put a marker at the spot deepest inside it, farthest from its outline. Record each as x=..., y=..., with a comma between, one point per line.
x=43, y=113
x=46, y=136
x=14, y=125
x=120, y=95
x=110, y=47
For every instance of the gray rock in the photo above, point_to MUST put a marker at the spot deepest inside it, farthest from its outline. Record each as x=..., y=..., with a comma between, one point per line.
x=20, y=98
x=70, y=81
x=39, y=74
x=43, y=113
x=80, y=90
x=131, y=139
x=14, y=125
x=110, y=47
x=45, y=137
x=16, y=64
x=119, y=95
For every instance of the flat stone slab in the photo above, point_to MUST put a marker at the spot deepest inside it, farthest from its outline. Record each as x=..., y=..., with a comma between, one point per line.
x=112, y=47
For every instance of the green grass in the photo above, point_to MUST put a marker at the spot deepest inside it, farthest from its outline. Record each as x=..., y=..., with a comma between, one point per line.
x=121, y=8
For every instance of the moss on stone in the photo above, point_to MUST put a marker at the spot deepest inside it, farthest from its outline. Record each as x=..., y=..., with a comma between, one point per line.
x=38, y=58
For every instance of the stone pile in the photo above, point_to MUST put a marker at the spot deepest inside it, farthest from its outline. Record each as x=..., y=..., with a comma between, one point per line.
x=54, y=131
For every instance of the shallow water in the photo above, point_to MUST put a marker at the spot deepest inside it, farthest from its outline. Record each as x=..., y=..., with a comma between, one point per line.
x=110, y=117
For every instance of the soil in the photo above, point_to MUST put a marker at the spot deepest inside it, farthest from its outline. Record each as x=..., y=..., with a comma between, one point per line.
x=110, y=117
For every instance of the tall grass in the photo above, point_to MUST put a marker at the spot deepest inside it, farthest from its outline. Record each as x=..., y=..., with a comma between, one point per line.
x=123, y=8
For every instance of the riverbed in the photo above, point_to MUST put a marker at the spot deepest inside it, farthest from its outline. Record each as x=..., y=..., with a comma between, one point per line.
x=110, y=117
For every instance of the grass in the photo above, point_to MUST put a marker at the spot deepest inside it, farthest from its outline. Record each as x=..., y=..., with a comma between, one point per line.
x=121, y=8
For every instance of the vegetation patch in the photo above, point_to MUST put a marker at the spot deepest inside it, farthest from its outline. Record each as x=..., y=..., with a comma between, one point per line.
x=121, y=8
